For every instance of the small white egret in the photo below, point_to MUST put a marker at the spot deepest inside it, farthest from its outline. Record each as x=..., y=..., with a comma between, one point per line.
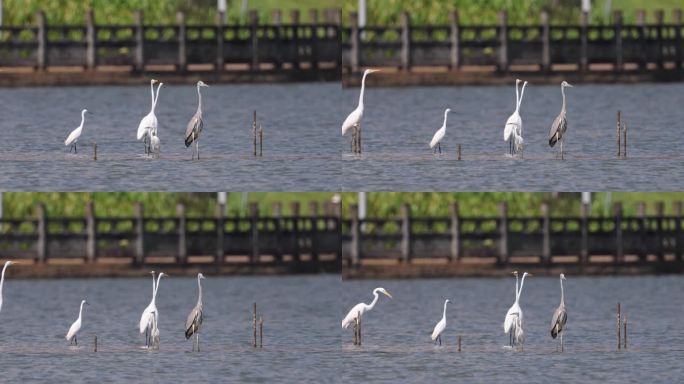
x=76, y=133
x=513, y=128
x=149, y=122
x=560, y=124
x=2, y=278
x=354, y=118
x=195, y=318
x=439, y=135
x=155, y=144
x=76, y=326
x=560, y=317
x=439, y=328
x=363, y=307
x=196, y=124
x=514, y=317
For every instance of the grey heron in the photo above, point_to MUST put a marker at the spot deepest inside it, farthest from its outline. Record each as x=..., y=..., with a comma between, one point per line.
x=513, y=127
x=2, y=278
x=439, y=135
x=196, y=124
x=560, y=317
x=439, y=328
x=560, y=124
x=149, y=122
x=76, y=133
x=76, y=326
x=363, y=307
x=194, y=321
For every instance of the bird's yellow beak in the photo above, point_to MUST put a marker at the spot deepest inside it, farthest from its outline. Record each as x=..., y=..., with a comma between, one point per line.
x=155, y=81
x=529, y=274
x=374, y=70
x=388, y=294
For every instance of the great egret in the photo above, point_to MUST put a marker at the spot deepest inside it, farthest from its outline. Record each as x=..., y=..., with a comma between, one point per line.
x=560, y=124
x=149, y=122
x=155, y=143
x=363, y=307
x=2, y=278
x=512, y=311
x=76, y=133
x=76, y=326
x=194, y=321
x=439, y=328
x=439, y=135
x=354, y=118
x=560, y=317
x=514, y=316
x=196, y=124
x=513, y=128
x=147, y=316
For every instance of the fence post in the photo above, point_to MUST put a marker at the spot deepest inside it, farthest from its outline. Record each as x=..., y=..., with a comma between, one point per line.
x=220, y=233
x=455, y=232
x=503, y=41
x=677, y=205
x=503, y=231
x=455, y=37
x=405, y=41
x=405, y=233
x=90, y=40
x=584, y=252
x=617, y=20
x=254, y=229
x=139, y=233
x=294, y=208
x=584, y=41
x=139, y=60
x=643, y=40
x=355, y=235
x=42, y=233
x=660, y=208
x=294, y=22
x=355, y=42
x=254, y=39
x=546, y=229
x=182, y=42
x=313, y=19
x=546, y=42
x=313, y=212
x=277, y=212
x=660, y=16
x=677, y=21
x=182, y=234
x=91, y=233
x=617, y=211
x=220, y=36
x=277, y=22
x=643, y=228
x=41, y=55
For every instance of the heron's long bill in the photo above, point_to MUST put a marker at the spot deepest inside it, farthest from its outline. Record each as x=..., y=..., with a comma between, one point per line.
x=387, y=294
x=529, y=274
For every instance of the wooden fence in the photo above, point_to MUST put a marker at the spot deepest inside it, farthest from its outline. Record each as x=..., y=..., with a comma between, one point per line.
x=504, y=45
x=293, y=239
x=644, y=238
x=273, y=46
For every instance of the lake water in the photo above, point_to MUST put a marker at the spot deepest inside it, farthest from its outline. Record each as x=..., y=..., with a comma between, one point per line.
x=297, y=120
x=400, y=122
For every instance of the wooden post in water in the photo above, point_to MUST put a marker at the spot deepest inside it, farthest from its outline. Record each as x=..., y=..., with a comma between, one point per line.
x=459, y=343
x=254, y=133
x=618, y=326
x=624, y=141
x=261, y=140
x=503, y=41
x=261, y=332
x=455, y=39
x=624, y=323
x=95, y=151
x=617, y=132
x=459, y=152
x=95, y=344
x=617, y=19
x=405, y=41
x=254, y=325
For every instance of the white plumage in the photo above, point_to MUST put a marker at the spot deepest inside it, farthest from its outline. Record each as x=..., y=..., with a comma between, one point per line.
x=76, y=326
x=363, y=307
x=439, y=135
x=148, y=124
x=76, y=133
x=151, y=315
x=513, y=128
x=441, y=325
x=2, y=278
x=514, y=317
x=354, y=118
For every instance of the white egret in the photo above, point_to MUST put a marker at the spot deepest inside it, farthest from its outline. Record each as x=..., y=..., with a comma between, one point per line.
x=2, y=278
x=363, y=307
x=560, y=124
x=155, y=143
x=560, y=317
x=354, y=118
x=76, y=133
x=439, y=135
x=196, y=124
x=514, y=316
x=439, y=328
x=194, y=320
x=76, y=326
x=513, y=128
x=149, y=122
x=147, y=316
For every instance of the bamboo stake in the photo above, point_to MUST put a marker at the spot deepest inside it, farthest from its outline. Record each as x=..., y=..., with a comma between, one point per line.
x=254, y=133
x=261, y=332
x=254, y=325
x=459, y=152
x=95, y=151
x=95, y=344
x=618, y=133
x=618, y=326
x=261, y=140
x=625, y=340
x=459, y=343
x=624, y=142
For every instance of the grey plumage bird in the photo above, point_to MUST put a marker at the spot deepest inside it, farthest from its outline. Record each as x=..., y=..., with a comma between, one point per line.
x=196, y=124
x=560, y=124
x=194, y=321
x=560, y=316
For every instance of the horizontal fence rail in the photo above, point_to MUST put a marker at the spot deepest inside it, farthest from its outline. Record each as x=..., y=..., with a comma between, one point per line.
x=504, y=45
x=257, y=46
x=139, y=239
x=504, y=240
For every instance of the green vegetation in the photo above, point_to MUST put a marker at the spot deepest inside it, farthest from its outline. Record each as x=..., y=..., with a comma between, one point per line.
x=386, y=12
x=22, y=204
x=18, y=12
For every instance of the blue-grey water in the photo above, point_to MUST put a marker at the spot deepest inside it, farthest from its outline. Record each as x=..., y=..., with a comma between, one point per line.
x=399, y=123
x=396, y=345
x=296, y=118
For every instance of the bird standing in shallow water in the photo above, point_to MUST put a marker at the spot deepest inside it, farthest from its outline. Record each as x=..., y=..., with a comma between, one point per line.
x=195, y=317
x=76, y=326
x=196, y=124
x=439, y=328
x=439, y=135
x=560, y=125
x=72, y=139
x=560, y=317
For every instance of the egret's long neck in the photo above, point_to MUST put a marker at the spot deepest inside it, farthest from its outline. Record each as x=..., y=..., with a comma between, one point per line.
x=152, y=93
x=522, y=93
x=154, y=102
x=2, y=278
x=375, y=300
x=156, y=288
x=82, y=119
x=199, y=284
x=80, y=311
x=517, y=94
x=516, y=287
x=563, y=92
x=444, y=313
x=199, y=94
x=562, y=294
x=363, y=88
x=445, y=119
x=522, y=282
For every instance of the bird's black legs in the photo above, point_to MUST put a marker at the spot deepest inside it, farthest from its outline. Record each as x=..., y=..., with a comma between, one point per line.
x=197, y=144
x=561, y=149
x=561, y=341
x=510, y=338
x=75, y=340
x=440, y=340
x=439, y=146
x=198, y=347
